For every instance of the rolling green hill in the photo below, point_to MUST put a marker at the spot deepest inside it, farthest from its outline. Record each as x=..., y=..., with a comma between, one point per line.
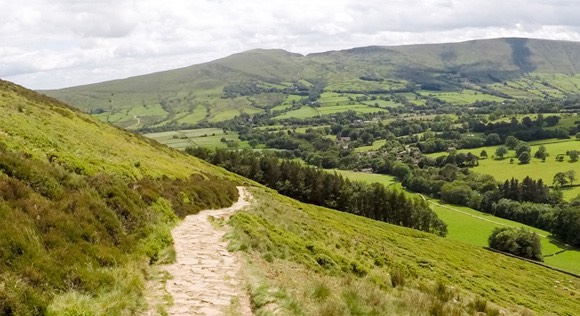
x=249, y=82
x=85, y=208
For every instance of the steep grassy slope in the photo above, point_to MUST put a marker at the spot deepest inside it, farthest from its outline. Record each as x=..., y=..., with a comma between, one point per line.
x=84, y=206
x=314, y=261
x=266, y=77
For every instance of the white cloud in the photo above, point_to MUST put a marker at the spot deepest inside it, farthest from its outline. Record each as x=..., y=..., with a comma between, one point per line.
x=58, y=43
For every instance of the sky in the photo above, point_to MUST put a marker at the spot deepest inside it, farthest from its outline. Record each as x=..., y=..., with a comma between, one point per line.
x=48, y=44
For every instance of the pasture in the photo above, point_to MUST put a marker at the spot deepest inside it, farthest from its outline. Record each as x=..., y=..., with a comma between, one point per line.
x=383, y=179
x=375, y=146
x=332, y=98
x=282, y=107
x=203, y=137
x=460, y=97
x=198, y=114
x=503, y=170
x=359, y=108
x=474, y=227
x=303, y=129
x=382, y=103
x=301, y=113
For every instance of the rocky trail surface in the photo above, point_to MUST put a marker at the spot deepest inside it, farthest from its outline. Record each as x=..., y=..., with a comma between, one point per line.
x=205, y=279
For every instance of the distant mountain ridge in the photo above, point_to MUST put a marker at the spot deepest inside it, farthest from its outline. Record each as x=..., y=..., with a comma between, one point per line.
x=193, y=93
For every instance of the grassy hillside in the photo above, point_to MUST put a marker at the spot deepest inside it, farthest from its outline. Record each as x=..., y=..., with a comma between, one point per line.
x=85, y=206
x=307, y=260
x=459, y=73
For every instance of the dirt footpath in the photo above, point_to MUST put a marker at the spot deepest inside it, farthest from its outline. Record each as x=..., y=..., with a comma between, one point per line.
x=205, y=277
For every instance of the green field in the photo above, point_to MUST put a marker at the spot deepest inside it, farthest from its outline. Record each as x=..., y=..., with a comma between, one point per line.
x=503, y=170
x=463, y=97
x=422, y=117
x=204, y=137
x=224, y=115
x=360, y=108
x=338, y=82
x=198, y=114
x=332, y=98
x=473, y=227
x=299, y=130
x=303, y=112
x=118, y=117
x=383, y=179
x=375, y=146
x=381, y=103
x=281, y=107
x=308, y=111
x=152, y=110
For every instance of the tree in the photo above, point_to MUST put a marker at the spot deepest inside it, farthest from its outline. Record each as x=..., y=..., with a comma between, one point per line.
x=367, y=138
x=428, y=135
x=552, y=120
x=522, y=147
x=458, y=192
x=560, y=179
x=541, y=153
x=501, y=151
x=524, y=157
x=232, y=144
x=483, y=154
x=561, y=133
x=511, y=142
x=492, y=139
x=527, y=121
x=571, y=176
x=573, y=155
x=567, y=223
x=578, y=136
x=472, y=160
x=401, y=171
x=520, y=242
x=448, y=172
